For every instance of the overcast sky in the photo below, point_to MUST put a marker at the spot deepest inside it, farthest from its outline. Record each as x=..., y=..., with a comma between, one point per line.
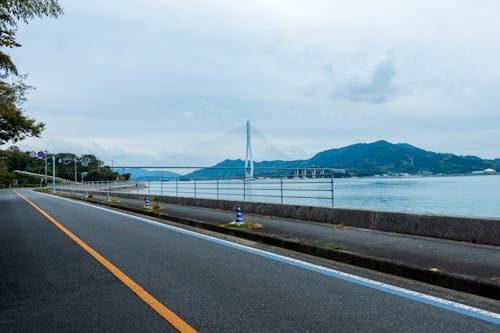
x=162, y=82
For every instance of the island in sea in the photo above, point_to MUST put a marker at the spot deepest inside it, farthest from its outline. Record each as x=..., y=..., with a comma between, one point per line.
x=365, y=159
x=379, y=158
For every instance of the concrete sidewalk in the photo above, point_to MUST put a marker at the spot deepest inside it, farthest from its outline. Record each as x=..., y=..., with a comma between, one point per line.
x=458, y=265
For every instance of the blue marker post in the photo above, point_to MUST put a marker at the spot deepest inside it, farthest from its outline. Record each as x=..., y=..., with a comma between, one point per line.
x=239, y=218
x=146, y=203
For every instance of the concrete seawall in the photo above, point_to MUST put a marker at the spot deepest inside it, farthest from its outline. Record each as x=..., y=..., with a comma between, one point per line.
x=458, y=228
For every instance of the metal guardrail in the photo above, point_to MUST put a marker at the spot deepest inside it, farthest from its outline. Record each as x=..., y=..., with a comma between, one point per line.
x=282, y=189
x=101, y=186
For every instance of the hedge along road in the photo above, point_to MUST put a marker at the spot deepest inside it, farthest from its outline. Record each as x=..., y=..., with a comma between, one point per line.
x=52, y=283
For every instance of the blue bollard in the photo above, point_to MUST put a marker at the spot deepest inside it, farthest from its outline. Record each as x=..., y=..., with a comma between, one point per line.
x=146, y=204
x=239, y=218
x=108, y=197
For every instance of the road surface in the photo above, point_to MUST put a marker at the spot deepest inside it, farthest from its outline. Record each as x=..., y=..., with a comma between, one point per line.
x=69, y=266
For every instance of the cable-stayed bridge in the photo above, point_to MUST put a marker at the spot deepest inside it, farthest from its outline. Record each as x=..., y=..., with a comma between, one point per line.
x=249, y=168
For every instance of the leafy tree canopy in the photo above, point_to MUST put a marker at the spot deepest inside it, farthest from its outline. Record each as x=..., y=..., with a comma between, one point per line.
x=14, y=159
x=14, y=125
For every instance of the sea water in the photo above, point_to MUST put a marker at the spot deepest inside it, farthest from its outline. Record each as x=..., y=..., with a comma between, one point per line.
x=451, y=195
x=466, y=195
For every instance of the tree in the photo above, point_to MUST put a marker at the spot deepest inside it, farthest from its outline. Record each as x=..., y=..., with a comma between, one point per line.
x=15, y=159
x=14, y=125
x=96, y=170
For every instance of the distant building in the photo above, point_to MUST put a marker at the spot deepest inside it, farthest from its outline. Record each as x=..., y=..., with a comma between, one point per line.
x=490, y=171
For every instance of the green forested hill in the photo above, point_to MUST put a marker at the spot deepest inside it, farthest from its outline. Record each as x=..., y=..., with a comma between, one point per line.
x=364, y=159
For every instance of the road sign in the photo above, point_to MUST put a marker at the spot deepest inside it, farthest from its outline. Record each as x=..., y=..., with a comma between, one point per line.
x=40, y=154
x=32, y=153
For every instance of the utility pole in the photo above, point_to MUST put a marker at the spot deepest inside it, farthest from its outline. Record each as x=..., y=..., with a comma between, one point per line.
x=76, y=179
x=249, y=157
x=54, y=173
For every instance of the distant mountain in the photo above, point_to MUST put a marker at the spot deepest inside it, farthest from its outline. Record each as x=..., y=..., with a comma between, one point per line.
x=384, y=157
x=363, y=159
x=143, y=174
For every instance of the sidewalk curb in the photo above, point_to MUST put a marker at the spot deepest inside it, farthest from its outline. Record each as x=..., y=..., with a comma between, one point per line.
x=458, y=282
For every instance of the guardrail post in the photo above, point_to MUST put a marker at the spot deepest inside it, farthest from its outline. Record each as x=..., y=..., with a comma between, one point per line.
x=281, y=188
x=244, y=189
x=332, y=187
x=217, y=181
x=195, y=188
x=176, y=187
x=161, y=186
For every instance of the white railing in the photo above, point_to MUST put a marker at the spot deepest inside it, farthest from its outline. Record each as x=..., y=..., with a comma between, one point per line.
x=281, y=189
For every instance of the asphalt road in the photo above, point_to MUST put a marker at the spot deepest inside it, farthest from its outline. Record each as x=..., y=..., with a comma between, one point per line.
x=50, y=283
x=454, y=257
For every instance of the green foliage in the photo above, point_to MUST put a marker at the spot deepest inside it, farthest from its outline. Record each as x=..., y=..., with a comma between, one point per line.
x=362, y=159
x=12, y=11
x=96, y=170
x=6, y=178
x=15, y=159
x=14, y=125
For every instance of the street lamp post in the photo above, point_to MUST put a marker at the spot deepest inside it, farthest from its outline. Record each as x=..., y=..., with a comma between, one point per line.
x=45, y=158
x=76, y=179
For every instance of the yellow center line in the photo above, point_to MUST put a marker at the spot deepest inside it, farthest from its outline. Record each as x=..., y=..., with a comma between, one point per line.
x=161, y=309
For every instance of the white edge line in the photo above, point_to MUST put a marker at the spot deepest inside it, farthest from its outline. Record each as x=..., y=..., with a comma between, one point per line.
x=463, y=309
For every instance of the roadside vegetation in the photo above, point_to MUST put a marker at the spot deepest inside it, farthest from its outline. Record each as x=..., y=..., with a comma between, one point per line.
x=14, y=159
x=15, y=125
x=242, y=225
x=154, y=205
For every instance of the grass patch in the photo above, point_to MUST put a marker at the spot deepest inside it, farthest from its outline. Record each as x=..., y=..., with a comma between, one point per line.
x=112, y=200
x=323, y=243
x=42, y=190
x=242, y=225
x=152, y=208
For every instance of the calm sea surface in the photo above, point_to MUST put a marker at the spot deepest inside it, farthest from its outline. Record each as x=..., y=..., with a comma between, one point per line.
x=466, y=195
